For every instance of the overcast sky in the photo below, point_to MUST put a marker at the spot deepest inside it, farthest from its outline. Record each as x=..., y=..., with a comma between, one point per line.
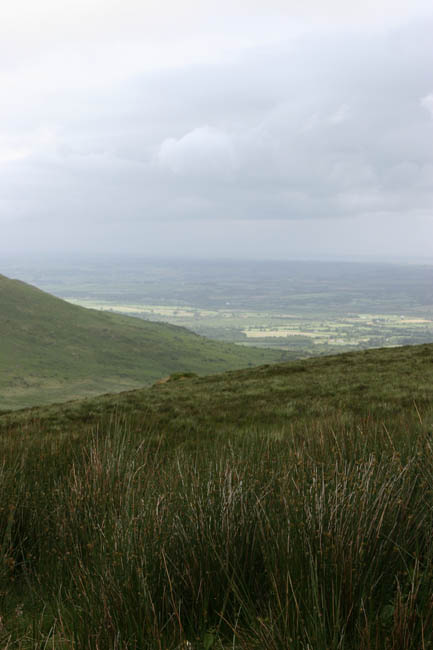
x=274, y=129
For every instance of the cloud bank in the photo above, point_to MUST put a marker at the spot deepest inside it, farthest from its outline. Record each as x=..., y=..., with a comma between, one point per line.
x=303, y=120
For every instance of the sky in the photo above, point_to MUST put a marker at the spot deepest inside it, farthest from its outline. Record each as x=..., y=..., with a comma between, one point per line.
x=191, y=128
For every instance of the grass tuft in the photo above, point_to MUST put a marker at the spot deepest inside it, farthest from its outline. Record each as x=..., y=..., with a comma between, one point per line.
x=316, y=538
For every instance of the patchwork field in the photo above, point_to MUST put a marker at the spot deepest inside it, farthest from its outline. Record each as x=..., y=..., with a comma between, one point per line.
x=306, y=308
x=308, y=333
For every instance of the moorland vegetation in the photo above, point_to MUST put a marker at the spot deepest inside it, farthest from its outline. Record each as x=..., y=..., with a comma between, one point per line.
x=287, y=506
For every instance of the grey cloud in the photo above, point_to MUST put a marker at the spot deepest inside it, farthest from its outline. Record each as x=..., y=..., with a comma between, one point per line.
x=325, y=125
x=203, y=152
x=427, y=103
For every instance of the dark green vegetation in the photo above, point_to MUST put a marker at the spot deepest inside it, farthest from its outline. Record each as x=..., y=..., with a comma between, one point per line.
x=283, y=507
x=51, y=350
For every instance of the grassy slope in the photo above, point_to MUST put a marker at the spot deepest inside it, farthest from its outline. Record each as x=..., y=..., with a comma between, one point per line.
x=377, y=383
x=51, y=350
x=285, y=506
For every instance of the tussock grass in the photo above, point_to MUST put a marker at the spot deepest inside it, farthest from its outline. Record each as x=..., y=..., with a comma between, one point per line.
x=302, y=537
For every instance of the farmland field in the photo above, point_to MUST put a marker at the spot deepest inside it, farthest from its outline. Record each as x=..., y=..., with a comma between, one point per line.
x=304, y=307
x=283, y=330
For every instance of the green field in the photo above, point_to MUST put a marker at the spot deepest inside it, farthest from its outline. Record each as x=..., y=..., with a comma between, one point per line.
x=288, y=506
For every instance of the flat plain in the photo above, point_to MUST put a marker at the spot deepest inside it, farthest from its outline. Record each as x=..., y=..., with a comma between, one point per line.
x=306, y=308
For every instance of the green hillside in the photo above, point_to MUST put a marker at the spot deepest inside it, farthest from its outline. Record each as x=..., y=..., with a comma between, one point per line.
x=51, y=350
x=380, y=383
x=288, y=506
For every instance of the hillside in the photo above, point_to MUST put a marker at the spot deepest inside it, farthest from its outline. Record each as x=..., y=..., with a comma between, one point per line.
x=285, y=506
x=380, y=383
x=51, y=350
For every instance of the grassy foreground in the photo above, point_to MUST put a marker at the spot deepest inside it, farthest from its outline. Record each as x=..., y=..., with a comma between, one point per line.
x=143, y=527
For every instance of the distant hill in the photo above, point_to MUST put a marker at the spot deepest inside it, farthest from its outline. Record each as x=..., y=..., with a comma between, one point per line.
x=51, y=350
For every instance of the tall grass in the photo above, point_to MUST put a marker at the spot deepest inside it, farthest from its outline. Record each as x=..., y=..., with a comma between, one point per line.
x=313, y=537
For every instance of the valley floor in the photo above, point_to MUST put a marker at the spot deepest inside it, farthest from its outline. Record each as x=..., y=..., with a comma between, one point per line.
x=304, y=333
